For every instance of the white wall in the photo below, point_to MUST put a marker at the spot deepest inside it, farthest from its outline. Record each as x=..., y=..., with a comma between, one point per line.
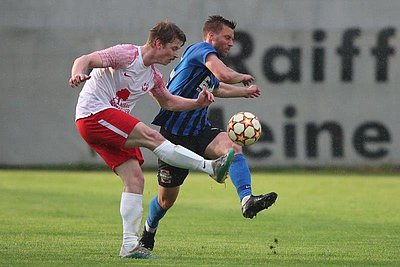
x=40, y=40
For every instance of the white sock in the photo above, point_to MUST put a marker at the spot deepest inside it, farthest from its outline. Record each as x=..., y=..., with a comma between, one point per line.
x=181, y=157
x=244, y=200
x=149, y=229
x=131, y=210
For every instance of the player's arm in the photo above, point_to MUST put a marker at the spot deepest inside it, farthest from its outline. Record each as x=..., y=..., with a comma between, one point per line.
x=168, y=101
x=81, y=64
x=229, y=91
x=224, y=73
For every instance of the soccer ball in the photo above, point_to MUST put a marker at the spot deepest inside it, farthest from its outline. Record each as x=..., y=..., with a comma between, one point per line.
x=244, y=128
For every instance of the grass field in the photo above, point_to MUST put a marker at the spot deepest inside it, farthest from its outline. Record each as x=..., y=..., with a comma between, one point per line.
x=56, y=218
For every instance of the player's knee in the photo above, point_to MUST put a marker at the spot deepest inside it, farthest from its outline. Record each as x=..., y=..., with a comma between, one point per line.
x=238, y=149
x=227, y=143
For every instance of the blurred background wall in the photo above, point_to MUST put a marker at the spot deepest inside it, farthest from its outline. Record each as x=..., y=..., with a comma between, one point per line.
x=329, y=73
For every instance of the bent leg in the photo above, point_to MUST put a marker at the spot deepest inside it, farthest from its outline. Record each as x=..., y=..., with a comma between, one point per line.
x=159, y=206
x=170, y=179
x=239, y=170
x=241, y=177
x=175, y=155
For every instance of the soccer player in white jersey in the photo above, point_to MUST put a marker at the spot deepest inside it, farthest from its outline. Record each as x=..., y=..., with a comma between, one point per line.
x=121, y=75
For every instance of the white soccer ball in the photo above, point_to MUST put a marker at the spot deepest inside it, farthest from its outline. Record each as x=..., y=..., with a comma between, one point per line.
x=244, y=128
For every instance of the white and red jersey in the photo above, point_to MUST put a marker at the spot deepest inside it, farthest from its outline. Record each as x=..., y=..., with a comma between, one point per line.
x=122, y=81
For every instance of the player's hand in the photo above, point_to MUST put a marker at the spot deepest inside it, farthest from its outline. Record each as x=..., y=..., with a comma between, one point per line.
x=77, y=79
x=247, y=79
x=252, y=91
x=205, y=98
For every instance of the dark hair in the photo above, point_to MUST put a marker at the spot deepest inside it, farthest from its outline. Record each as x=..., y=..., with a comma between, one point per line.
x=166, y=32
x=215, y=23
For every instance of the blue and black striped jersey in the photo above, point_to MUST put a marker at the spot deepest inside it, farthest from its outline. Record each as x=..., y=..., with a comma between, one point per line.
x=187, y=80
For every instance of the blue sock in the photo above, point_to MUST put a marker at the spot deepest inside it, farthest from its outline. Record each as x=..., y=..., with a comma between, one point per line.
x=240, y=176
x=156, y=213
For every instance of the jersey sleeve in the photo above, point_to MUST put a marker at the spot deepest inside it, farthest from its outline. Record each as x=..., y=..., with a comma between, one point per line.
x=119, y=56
x=200, y=52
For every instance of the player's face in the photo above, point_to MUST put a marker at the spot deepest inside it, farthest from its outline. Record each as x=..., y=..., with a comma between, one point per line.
x=223, y=41
x=170, y=51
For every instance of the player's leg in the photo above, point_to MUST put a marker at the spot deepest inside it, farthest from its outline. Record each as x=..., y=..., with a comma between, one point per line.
x=240, y=175
x=169, y=179
x=108, y=143
x=159, y=205
x=157, y=210
x=239, y=171
x=177, y=155
x=131, y=208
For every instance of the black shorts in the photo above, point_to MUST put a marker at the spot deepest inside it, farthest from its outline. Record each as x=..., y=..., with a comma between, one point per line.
x=170, y=176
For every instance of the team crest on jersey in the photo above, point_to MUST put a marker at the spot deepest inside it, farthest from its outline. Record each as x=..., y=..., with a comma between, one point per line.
x=119, y=101
x=145, y=87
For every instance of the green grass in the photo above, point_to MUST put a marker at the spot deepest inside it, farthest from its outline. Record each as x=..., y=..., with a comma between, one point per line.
x=54, y=218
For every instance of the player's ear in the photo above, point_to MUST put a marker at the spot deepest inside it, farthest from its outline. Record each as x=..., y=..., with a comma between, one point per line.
x=158, y=44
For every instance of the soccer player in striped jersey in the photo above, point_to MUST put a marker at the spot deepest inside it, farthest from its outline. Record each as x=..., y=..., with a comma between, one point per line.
x=201, y=67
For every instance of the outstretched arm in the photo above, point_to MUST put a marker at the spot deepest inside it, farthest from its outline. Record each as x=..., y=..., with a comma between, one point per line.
x=168, y=101
x=226, y=74
x=229, y=91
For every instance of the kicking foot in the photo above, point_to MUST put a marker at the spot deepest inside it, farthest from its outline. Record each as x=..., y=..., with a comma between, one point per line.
x=221, y=166
x=255, y=204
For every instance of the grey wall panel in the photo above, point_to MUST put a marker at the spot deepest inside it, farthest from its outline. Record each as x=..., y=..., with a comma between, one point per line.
x=329, y=71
